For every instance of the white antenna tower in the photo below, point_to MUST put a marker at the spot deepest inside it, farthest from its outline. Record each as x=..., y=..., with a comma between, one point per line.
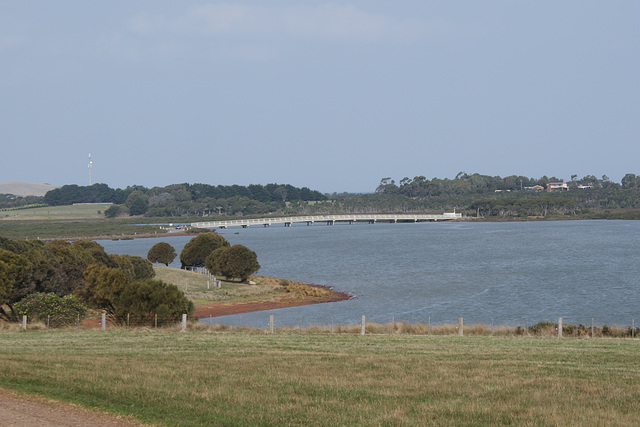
x=90, y=165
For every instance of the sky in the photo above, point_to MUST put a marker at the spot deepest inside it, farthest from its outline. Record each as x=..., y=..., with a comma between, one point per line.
x=333, y=96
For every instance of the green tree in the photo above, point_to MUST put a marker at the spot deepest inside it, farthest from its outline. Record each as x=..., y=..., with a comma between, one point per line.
x=114, y=211
x=162, y=252
x=102, y=287
x=237, y=262
x=196, y=251
x=142, y=269
x=12, y=268
x=137, y=203
x=142, y=299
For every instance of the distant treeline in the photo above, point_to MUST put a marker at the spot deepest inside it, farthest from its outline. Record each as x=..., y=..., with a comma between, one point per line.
x=474, y=194
x=181, y=199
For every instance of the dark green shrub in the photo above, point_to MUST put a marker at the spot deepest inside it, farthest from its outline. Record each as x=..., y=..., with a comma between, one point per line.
x=62, y=311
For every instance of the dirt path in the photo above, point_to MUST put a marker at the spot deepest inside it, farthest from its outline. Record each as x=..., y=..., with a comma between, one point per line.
x=32, y=411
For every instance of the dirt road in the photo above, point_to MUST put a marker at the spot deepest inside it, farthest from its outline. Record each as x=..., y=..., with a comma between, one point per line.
x=32, y=411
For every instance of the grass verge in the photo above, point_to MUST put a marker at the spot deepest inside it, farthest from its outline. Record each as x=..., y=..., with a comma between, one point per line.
x=196, y=378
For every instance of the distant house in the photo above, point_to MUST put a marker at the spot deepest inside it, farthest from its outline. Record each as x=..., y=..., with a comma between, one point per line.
x=583, y=186
x=535, y=188
x=557, y=185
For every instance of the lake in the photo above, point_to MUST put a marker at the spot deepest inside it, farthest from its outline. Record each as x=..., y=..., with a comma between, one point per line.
x=506, y=272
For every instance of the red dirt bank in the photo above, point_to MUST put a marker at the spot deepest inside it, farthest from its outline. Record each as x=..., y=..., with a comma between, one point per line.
x=223, y=309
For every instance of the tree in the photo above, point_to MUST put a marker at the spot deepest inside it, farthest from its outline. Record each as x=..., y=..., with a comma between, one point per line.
x=12, y=267
x=237, y=261
x=196, y=251
x=162, y=252
x=142, y=299
x=102, y=287
x=114, y=211
x=142, y=269
x=137, y=203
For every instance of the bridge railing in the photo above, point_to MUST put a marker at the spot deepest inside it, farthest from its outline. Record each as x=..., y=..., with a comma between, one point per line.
x=327, y=218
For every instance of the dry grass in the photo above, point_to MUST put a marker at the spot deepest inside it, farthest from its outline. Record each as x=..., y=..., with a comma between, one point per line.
x=254, y=378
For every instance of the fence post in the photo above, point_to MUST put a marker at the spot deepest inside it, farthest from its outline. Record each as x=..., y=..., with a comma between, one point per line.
x=104, y=322
x=393, y=325
x=24, y=323
x=362, y=326
x=155, y=321
x=271, y=323
x=633, y=327
x=78, y=321
x=592, y=328
x=559, y=327
x=127, y=320
x=184, y=322
x=48, y=321
x=460, y=327
x=429, y=327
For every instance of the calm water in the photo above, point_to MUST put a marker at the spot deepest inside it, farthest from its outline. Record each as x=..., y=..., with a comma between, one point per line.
x=508, y=272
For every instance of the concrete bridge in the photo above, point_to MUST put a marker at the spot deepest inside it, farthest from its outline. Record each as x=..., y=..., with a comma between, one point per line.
x=328, y=219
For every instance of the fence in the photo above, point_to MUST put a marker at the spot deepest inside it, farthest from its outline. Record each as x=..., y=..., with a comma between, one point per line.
x=540, y=329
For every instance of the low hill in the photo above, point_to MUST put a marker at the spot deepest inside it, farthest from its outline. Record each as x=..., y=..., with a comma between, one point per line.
x=23, y=189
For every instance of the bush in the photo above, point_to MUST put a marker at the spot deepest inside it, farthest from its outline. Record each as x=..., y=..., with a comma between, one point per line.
x=62, y=311
x=143, y=299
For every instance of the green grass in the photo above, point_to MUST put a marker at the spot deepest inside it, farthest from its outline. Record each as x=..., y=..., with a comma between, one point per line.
x=200, y=377
x=56, y=212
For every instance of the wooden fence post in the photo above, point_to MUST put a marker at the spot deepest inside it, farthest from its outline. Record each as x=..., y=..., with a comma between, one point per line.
x=155, y=321
x=559, y=327
x=362, y=331
x=460, y=327
x=104, y=322
x=24, y=323
x=271, y=323
x=184, y=322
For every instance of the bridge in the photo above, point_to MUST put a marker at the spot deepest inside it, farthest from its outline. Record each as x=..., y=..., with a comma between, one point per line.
x=328, y=219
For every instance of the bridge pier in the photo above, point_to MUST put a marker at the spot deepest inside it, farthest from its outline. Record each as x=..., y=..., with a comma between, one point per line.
x=331, y=222
x=309, y=223
x=245, y=225
x=287, y=224
x=393, y=221
x=267, y=225
x=372, y=221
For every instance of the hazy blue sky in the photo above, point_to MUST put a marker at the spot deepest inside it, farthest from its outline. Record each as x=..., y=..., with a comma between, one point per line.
x=332, y=96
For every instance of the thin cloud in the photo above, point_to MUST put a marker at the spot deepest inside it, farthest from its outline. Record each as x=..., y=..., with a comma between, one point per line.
x=326, y=22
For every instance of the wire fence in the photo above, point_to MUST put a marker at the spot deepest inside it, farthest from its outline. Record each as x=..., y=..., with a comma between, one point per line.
x=557, y=329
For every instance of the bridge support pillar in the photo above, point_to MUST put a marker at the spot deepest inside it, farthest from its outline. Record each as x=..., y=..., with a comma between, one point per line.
x=266, y=225
x=331, y=222
x=309, y=223
x=287, y=224
x=245, y=225
x=372, y=221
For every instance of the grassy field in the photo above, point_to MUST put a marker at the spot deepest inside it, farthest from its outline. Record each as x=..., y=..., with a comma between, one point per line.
x=56, y=212
x=72, y=222
x=199, y=377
